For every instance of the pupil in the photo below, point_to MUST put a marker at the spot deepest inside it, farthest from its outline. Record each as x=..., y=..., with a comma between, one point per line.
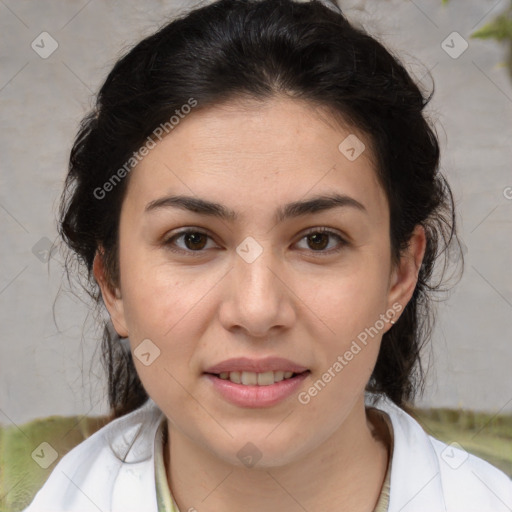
x=195, y=239
x=315, y=236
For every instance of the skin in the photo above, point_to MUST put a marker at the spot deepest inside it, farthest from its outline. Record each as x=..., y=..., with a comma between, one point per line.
x=297, y=300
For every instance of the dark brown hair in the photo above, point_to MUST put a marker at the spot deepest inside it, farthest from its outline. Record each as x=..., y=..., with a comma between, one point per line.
x=255, y=49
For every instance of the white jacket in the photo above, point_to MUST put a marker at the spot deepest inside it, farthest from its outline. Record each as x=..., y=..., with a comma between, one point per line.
x=426, y=474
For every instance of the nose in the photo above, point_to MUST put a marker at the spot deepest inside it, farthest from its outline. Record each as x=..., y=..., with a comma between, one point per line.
x=259, y=296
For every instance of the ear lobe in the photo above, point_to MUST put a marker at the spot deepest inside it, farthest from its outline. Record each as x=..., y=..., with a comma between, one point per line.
x=405, y=275
x=111, y=297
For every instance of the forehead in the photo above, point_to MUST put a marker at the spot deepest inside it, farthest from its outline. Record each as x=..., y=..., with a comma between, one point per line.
x=247, y=153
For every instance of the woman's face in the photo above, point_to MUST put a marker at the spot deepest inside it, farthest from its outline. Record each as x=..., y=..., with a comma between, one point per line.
x=261, y=281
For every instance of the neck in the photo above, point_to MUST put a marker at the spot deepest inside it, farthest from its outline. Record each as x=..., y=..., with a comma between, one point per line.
x=344, y=473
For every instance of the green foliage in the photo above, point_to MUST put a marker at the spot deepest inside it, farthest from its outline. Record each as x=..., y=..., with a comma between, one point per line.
x=486, y=436
x=500, y=28
x=20, y=476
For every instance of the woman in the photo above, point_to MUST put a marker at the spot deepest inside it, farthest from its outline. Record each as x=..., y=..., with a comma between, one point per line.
x=256, y=196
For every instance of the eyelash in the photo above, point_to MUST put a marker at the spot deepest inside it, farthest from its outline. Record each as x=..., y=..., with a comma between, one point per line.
x=169, y=241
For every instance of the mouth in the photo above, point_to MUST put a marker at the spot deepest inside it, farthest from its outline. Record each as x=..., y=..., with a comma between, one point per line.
x=247, y=378
x=250, y=389
x=251, y=382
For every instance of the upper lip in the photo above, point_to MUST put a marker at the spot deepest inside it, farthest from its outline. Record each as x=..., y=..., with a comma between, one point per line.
x=245, y=364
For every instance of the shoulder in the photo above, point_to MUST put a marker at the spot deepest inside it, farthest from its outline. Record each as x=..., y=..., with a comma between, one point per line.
x=428, y=474
x=471, y=480
x=111, y=470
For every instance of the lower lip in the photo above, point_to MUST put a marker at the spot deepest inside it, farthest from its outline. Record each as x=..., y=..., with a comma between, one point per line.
x=257, y=396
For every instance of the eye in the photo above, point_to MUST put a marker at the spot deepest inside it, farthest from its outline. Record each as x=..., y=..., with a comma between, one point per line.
x=193, y=239
x=318, y=240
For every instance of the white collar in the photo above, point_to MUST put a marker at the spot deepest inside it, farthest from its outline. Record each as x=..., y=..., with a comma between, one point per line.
x=92, y=477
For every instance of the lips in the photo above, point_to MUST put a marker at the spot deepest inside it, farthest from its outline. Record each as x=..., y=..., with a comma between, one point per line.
x=245, y=364
x=256, y=396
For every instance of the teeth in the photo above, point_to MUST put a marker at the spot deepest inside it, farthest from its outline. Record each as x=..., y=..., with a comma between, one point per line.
x=249, y=378
x=265, y=379
x=234, y=377
x=253, y=378
x=278, y=376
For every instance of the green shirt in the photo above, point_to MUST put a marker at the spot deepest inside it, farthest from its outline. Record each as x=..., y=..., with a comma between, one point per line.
x=166, y=502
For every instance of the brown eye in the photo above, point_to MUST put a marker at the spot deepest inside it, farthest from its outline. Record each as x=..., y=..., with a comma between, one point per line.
x=319, y=239
x=192, y=241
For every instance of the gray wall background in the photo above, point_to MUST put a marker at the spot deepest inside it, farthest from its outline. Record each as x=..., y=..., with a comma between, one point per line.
x=44, y=371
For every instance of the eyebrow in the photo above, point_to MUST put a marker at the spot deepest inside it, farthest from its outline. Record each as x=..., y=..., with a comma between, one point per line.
x=291, y=210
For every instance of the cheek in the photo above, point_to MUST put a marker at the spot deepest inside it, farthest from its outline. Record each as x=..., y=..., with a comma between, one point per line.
x=167, y=318
x=349, y=334
x=167, y=311
x=349, y=300
x=158, y=298
x=172, y=308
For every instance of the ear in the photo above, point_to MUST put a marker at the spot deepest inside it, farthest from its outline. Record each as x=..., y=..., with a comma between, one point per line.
x=405, y=275
x=111, y=297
